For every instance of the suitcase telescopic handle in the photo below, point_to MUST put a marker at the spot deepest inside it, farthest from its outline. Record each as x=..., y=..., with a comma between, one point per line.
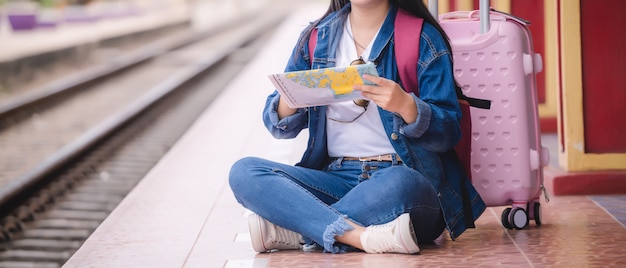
x=433, y=7
x=484, y=16
x=485, y=23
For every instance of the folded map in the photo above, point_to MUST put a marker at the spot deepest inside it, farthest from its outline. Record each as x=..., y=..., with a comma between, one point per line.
x=322, y=86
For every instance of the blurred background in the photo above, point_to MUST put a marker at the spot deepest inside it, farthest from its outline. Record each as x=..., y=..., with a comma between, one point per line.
x=36, y=36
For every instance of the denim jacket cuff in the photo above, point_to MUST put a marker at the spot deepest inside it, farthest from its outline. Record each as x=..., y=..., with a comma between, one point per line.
x=286, y=122
x=422, y=122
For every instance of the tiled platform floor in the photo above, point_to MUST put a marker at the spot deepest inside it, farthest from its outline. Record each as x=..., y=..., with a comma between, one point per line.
x=614, y=205
x=184, y=215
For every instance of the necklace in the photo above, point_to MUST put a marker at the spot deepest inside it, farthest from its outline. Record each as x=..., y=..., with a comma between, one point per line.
x=355, y=42
x=349, y=32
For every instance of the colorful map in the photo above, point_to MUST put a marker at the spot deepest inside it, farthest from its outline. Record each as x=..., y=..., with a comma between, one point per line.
x=340, y=80
x=322, y=86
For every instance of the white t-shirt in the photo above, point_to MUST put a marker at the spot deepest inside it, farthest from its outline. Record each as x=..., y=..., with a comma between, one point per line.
x=365, y=136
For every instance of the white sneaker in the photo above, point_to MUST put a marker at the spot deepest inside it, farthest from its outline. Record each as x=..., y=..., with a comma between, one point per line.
x=266, y=236
x=396, y=236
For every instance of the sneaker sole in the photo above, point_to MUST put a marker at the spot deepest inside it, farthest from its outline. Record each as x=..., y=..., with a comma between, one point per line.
x=256, y=226
x=407, y=236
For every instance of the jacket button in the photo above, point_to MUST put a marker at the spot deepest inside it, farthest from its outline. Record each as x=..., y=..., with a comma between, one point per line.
x=394, y=136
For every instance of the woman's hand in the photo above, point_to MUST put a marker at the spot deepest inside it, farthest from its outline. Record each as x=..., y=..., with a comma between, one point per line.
x=387, y=94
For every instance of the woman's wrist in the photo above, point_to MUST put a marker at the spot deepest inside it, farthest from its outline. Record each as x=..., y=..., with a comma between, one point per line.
x=409, y=110
x=283, y=109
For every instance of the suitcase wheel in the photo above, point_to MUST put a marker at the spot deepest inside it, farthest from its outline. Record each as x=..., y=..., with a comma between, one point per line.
x=514, y=218
x=537, y=213
x=505, y=218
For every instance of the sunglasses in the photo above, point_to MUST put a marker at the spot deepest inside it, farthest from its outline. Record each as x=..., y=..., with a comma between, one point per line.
x=358, y=102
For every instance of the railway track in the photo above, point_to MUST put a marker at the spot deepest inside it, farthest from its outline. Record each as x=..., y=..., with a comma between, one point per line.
x=69, y=154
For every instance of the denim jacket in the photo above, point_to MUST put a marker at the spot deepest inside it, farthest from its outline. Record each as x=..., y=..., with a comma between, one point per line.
x=425, y=145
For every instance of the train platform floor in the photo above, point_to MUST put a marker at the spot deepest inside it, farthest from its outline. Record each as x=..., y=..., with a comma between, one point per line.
x=183, y=213
x=202, y=14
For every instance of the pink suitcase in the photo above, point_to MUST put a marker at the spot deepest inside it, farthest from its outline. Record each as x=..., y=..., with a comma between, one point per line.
x=494, y=60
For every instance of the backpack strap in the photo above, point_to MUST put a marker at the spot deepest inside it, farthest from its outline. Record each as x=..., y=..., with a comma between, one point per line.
x=474, y=102
x=312, y=43
x=408, y=30
x=407, y=33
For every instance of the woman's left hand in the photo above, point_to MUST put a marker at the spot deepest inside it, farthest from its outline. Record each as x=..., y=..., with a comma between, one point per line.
x=387, y=94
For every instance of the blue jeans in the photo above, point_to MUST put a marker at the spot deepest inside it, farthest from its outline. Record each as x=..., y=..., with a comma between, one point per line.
x=315, y=203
